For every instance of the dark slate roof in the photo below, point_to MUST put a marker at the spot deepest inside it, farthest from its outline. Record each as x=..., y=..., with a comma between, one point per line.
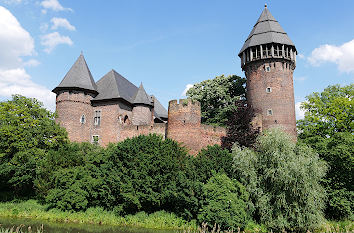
x=79, y=76
x=160, y=111
x=113, y=86
x=141, y=97
x=266, y=30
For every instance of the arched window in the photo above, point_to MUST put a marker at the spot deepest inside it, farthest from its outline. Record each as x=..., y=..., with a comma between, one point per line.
x=82, y=119
x=126, y=120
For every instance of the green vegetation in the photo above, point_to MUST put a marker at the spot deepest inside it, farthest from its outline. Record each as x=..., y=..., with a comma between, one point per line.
x=283, y=179
x=328, y=127
x=217, y=97
x=32, y=209
x=266, y=183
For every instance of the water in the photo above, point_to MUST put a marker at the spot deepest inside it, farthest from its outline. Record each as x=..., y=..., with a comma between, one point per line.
x=50, y=227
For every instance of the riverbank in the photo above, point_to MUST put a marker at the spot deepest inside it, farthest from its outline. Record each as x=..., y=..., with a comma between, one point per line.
x=31, y=209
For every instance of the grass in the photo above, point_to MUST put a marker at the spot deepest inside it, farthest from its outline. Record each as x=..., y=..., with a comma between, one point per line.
x=33, y=210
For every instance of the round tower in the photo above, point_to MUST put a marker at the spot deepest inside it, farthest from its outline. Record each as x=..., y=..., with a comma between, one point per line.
x=184, y=123
x=268, y=58
x=142, y=114
x=73, y=101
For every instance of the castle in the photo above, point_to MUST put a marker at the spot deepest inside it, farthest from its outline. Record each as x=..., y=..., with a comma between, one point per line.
x=113, y=109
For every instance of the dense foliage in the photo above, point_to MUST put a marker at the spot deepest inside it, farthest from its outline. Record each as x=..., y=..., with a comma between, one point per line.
x=239, y=126
x=225, y=203
x=217, y=97
x=27, y=132
x=328, y=127
x=283, y=179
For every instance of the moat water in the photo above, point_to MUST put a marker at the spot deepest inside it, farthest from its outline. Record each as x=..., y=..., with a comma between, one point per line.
x=50, y=227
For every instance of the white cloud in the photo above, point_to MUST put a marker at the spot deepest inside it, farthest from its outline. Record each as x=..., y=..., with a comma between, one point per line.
x=31, y=63
x=44, y=27
x=342, y=55
x=188, y=86
x=301, y=56
x=300, y=78
x=15, y=41
x=61, y=22
x=52, y=40
x=53, y=5
x=17, y=81
x=300, y=114
x=15, y=2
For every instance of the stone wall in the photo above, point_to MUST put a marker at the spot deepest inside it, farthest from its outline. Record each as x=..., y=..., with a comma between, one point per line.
x=279, y=98
x=211, y=135
x=142, y=115
x=130, y=131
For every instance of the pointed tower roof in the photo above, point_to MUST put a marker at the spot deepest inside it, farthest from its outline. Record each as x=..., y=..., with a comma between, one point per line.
x=78, y=77
x=267, y=30
x=115, y=86
x=141, y=97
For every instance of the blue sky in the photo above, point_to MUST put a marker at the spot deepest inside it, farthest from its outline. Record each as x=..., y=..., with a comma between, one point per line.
x=165, y=44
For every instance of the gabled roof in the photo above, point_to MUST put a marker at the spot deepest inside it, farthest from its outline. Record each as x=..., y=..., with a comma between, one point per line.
x=141, y=97
x=79, y=76
x=113, y=86
x=160, y=111
x=266, y=30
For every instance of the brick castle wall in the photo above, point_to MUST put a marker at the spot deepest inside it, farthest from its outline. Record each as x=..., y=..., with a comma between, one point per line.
x=281, y=98
x=184, y=125
x=142, y=115
x=70, y=106
x=130, y=131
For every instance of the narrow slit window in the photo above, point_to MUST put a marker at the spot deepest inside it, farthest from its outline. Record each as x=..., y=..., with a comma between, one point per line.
x=267, y=68
x=97, y=118
x=268, y=89
x=269, y=112
x=82, y=119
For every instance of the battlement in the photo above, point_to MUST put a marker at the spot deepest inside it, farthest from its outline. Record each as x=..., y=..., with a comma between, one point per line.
x=183, y=103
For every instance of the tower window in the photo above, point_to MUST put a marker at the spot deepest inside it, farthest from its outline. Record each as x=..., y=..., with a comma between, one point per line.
x=95, y=139
x=268, y=89
x=269, y=112
x=83, y=119
x=267, y=68
x=97, y=118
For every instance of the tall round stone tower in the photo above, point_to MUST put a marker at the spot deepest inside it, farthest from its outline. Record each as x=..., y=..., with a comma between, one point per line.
x=142, y=114
x=73, y=101
x=268, y=58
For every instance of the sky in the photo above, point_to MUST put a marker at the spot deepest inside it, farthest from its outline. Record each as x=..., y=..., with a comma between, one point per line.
x=166, y=45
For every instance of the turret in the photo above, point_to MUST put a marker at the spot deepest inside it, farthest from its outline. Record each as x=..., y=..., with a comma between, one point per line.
x=142, y=114
x=268, y=58
x=73, y=101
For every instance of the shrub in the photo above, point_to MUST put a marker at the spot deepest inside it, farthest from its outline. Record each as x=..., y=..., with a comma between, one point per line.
x=143, y=174
x=225, y=203
x=284, y=181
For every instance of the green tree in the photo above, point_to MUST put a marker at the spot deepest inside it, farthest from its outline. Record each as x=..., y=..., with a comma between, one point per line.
x=144, y=174
x=328, y=112
x=283, y=179
x=27, y=132
x=225, y=203
x=328, y=128
x=217, y=97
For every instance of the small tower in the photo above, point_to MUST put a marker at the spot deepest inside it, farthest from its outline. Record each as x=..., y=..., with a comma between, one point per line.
x=142, y=114
x=73, y=101
x=184, y=123
x=268, y=58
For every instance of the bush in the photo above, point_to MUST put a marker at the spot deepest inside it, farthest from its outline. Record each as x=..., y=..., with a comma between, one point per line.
x=143, y=174
x=225, y=203
x=284, y=181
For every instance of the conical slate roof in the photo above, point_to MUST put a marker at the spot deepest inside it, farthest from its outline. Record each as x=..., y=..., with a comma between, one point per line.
x=141, y=97
x=267, y=30
x=113, y=86
x=78, y=77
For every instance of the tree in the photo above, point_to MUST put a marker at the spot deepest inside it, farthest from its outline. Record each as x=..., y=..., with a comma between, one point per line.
x=328, y=112
x=217, y=97
x=239, y=126
x=225, y=203
x=283, y=179
x=27, y=132
x=328, y=128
